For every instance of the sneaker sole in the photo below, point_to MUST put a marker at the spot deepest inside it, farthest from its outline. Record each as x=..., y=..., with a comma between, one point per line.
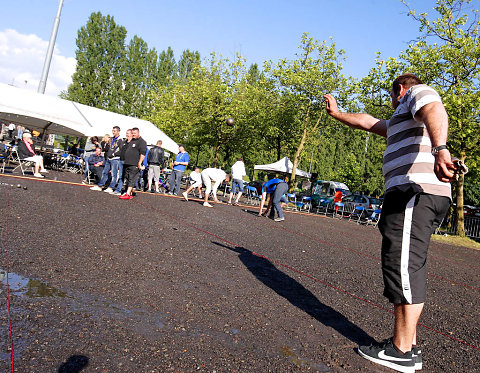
x=388, y=364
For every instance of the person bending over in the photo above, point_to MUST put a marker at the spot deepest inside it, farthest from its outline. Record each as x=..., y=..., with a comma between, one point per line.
x=275, y=188
x=216, y=176
x=196, y=183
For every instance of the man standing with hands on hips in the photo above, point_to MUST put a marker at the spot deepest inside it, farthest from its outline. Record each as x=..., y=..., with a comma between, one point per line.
x=417, y=167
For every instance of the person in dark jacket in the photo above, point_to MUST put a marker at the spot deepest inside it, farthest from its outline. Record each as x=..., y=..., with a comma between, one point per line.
x=114, y=164
x=134, y=155
x=73, y=150
x=155, y=161
x=26, y=152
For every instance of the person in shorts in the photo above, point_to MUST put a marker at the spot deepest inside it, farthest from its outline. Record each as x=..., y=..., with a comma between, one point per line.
x=155, y=159
x=417, y=167
x=134, y=154
x=238, y=172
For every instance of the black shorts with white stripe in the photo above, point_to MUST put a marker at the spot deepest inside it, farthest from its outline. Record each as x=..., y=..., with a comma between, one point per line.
x=408, y=220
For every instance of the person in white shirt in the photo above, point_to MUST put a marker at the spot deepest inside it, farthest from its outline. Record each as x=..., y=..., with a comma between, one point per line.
x=215, y=175
x=238, y=172
x=196, y=183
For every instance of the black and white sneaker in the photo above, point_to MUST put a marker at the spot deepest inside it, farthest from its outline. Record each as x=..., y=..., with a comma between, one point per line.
x=385, y=353
x=417, y=356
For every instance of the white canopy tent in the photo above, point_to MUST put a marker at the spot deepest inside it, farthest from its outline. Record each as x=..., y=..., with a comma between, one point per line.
x=284, y=165
x=54, y=115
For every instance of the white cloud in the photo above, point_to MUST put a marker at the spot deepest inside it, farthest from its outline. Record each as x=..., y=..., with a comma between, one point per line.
x=21, y=63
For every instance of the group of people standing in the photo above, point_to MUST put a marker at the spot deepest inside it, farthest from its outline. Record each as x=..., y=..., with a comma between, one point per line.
x=121, y=162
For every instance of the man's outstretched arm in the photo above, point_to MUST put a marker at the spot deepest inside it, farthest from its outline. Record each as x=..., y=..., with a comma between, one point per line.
x=355, y=120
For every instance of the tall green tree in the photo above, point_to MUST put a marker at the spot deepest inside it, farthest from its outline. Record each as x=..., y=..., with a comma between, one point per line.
x=138, y=79
x=167, y=67
x=303, y=82
x=187, y=64
x=447, y=56
x=99, y=77
x=194, y=111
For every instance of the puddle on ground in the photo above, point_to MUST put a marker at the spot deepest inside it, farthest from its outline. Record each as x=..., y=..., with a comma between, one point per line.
x=94, y=307
x=31, y=288
x=301, y=362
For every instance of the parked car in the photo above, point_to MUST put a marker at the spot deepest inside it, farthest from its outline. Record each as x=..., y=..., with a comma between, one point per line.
x=369, y=203
x=325, y=190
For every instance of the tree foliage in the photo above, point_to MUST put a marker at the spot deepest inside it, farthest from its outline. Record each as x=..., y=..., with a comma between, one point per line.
x=98, y=79
x=302, y=82
x=278, y=107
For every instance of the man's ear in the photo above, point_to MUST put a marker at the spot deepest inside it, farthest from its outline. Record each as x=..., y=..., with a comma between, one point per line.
x=403, y=90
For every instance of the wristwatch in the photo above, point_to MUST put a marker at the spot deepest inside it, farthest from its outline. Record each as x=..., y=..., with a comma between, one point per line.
x=436, y=149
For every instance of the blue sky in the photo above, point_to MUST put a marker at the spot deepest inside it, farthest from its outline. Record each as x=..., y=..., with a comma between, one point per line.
x=259, y=30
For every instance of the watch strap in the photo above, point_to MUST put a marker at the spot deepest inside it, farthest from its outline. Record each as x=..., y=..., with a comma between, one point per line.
x=436, y=149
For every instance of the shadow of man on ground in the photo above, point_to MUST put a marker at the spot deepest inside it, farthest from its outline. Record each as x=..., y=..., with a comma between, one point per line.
x=298, y=295
x=74, y=364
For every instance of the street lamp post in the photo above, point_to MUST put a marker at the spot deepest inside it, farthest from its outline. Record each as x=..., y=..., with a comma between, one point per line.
x=51, y=45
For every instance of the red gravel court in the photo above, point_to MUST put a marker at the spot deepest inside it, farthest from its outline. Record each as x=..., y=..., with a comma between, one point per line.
x=159, y=284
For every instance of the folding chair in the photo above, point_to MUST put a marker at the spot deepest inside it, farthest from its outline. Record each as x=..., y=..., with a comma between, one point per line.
x=3, y=157
x=306, y=203
x=357, y=213
x=321, y=206
x=252, y=195
x=75, y=164
x=63, y=162
x=3, y=161
x=338, y=206
x=227, y=189
x=21, y=162
x=292, y=200
x=374, y=218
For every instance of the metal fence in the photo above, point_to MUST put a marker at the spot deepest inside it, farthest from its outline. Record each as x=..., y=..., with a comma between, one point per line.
x=472, y=226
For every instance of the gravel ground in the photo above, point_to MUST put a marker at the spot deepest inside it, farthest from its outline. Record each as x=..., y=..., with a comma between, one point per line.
x=158, y=284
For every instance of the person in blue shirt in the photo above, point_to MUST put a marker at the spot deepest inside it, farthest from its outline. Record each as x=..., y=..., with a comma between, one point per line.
x=179, y=165
x=276, y=188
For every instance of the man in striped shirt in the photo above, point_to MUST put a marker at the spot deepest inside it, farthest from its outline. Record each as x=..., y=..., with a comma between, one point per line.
x=417, y=167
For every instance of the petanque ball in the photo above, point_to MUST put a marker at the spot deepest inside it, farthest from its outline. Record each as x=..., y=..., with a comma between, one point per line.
x=19, y=186
x=230, y=122
x=25, y=188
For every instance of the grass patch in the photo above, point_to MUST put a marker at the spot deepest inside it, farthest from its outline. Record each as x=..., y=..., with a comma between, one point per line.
x=457, y=241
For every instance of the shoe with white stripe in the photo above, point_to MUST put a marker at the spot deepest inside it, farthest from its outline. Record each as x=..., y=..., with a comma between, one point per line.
x=417, y=355
x=385, y=353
